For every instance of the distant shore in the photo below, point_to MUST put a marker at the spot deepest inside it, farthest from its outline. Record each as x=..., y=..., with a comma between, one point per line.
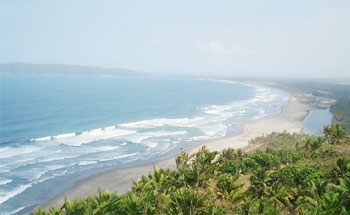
x=290, y=119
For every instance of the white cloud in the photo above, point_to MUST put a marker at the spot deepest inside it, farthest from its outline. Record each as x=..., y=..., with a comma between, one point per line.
x=115, y=44
x=212, y=47
x=219, y=48
x=155, y=42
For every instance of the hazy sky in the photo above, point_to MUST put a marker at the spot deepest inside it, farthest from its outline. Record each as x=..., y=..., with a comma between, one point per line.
x=306, y=38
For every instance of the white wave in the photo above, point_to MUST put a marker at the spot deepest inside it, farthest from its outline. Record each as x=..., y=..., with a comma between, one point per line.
x=55, y=167
x=240, y=111
x=266, y=97
x=127, y=155
x=3, y=165
x=64, y=136
x=52, y=176
x=138, y=138
x=97, y=130
x=177, y=141
x=263, y=96
x=211, y=132
x=83, y=163
x=11, y=152
x=166, y=133
x=118, y=157
x=166, y=146
x=141, y=137
x=16, y=210
x=49, y=172
x=58, y=158
x=8, y=195
x=15, y=164
x=155, y=123
x=223, y=112
x=95, y=135
x=213, y=111
x=41, y=139
x=87, y=151
x=4, y=171
x=217, y=131
x=4, y=182
x=109, y=127
x=38, y=176
x=107, y=148
x=197, y=138
x=77, y=139
x=106, y=159
x=151, y=145
x=2, y=150
x=260, y=112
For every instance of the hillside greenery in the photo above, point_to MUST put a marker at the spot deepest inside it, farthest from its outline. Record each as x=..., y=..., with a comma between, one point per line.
x=341, y=110
x=294, y=174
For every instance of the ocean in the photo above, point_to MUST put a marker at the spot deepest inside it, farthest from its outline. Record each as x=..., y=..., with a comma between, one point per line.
x=56, y=129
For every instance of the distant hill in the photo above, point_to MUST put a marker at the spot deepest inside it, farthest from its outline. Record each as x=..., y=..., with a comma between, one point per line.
x=60, y=69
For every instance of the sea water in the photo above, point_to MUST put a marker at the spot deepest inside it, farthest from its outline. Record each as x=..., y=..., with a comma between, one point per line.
x=315, y=121
x=56, y=130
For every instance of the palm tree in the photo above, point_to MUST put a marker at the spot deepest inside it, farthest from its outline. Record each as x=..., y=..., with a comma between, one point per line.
x=189, y=201
x=197, y=169
x=308, y=198
x=335, y=133
x=331, y=203
x=344, y=189
x=258, y=182
x=341, y=170
x=105, y=202
x=280, y=196
x=264, y=206
x=77, y=206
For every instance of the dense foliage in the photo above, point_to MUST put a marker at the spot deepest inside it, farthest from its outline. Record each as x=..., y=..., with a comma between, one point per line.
x=341, y=110
x=295, y=174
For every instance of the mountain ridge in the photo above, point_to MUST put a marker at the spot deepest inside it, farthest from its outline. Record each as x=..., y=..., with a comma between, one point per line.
x=63, y=69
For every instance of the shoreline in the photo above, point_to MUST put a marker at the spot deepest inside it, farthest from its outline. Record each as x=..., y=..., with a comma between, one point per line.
x=290, y=119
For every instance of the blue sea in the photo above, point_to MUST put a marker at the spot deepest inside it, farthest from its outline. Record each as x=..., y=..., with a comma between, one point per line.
x=56, y=129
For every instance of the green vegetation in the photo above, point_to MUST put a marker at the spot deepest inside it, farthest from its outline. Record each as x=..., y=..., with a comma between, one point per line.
x=295, y=174
x=341, y=110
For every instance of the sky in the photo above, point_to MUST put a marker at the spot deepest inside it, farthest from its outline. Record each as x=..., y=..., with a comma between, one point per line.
x=250, y=38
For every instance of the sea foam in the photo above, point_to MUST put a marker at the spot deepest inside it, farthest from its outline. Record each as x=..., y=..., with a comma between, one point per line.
x=14, y=192
x=155, y=123
x=4, y=182
x=79, y=138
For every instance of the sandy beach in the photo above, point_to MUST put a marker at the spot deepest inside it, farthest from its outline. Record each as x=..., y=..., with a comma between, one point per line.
x=290, y=119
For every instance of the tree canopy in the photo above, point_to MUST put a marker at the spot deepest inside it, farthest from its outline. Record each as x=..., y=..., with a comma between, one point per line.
x=295, y=174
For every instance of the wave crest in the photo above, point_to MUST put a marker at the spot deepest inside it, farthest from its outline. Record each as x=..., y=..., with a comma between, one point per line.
x=79, y=138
